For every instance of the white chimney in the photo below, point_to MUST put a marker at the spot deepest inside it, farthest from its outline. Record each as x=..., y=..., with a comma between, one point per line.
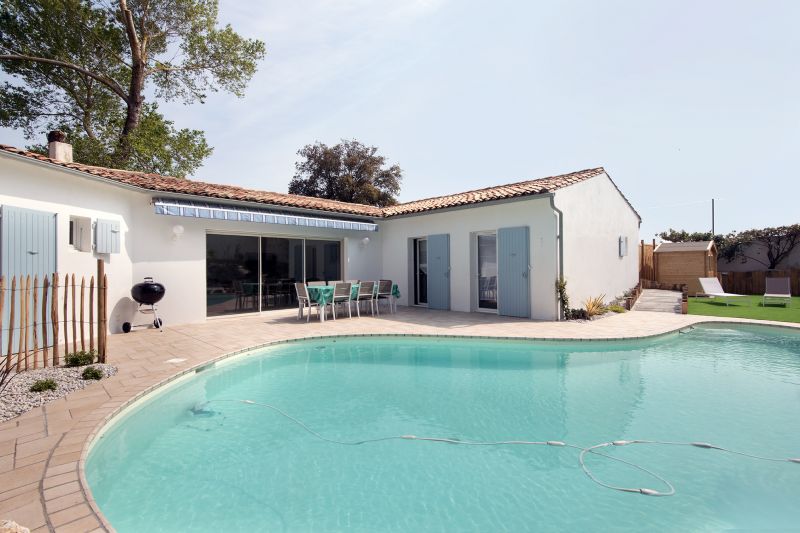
x=58, y=148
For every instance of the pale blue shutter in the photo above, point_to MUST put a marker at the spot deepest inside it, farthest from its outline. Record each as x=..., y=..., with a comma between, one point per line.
x=106, y=236
x=513, y=265
x=439, y=271
x=27, y=248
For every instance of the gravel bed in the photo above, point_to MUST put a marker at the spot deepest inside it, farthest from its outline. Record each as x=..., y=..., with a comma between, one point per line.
x=17, y=398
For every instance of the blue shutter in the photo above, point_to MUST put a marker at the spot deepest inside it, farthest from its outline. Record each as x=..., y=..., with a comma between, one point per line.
x=27, y=248
x=439, y=271
x=106, y=236
x=513, y=266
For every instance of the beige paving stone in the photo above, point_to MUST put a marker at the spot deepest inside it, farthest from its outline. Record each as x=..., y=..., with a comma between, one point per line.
x=30, y=515
x=64, y=502
x=30, y=495
x=8, y=494
x=60, y=479
x=20, y=476
x=31, y=459
x=61, y=490
x=70, y=514
x=61, y=469
x=82, y=525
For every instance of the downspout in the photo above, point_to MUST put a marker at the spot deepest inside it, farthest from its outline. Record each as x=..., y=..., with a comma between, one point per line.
x=559, y=244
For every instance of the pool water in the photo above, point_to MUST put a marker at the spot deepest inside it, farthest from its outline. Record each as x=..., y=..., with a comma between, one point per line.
x=175, y=463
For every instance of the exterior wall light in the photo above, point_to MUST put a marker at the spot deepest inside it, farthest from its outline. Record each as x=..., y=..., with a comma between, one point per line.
x=177, y=231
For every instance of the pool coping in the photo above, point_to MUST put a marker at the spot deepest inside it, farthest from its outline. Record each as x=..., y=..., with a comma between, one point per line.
x=105, y=423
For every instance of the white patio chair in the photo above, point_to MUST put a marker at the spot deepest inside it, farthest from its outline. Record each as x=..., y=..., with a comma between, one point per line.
x=304, y=302
x=384, y=293
x=713, y=289
x=333, y=283
x=316, y=283
x=778, y=289
x=341, y=294
x=366, y=293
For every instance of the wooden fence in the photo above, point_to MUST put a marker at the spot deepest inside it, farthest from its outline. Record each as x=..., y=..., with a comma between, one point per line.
x=753, y=282
x=647, y=264
x=34, y=332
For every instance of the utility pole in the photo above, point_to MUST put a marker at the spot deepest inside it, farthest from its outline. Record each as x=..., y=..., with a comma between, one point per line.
x=713, y=233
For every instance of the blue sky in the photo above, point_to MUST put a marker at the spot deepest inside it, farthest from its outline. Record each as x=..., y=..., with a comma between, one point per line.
x=680, y=101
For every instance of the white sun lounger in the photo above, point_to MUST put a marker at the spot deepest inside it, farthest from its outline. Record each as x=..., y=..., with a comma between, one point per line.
x=713, y=288
x=778, y=289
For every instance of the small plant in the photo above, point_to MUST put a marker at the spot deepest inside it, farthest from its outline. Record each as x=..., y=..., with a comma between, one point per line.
x=561, y=291
x=91, y=372
x=594, y=306
x=43, y=385
x=616, y=308
x=578, y=314
x=81, y=358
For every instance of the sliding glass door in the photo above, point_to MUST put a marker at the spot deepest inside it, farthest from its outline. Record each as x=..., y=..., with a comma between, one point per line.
x=282, y=266
x=249, y=273
x=232, y=274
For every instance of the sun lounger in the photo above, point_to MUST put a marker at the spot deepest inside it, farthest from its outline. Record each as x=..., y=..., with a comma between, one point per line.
x=778, y=289
x=713, y=288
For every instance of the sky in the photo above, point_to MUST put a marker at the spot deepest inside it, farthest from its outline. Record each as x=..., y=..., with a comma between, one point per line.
x=680, y=101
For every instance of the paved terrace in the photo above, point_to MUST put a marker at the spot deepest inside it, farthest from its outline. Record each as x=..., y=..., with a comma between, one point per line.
x=41, y=483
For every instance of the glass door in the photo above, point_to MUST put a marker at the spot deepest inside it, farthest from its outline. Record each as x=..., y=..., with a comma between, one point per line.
x=232, y=268
x=487, y=272
x=281, y=267
x=420, y=272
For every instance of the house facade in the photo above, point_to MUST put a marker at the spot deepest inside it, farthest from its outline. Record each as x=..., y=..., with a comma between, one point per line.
x=221, y=250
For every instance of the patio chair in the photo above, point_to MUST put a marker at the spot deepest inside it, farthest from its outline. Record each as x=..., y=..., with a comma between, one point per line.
x=316, y=283
x=778, y=289
x=303, y=302
x=366, y=293
x=333, y=283
x=713, y=289
x=384, y=293
x=341, y=294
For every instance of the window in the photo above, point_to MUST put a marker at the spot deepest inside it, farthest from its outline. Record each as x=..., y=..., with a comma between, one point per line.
x=80, y=233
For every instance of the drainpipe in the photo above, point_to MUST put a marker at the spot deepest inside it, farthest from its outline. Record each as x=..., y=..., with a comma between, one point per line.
x=559, y=243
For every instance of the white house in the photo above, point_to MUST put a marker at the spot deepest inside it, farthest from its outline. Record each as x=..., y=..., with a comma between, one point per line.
x=221, y=250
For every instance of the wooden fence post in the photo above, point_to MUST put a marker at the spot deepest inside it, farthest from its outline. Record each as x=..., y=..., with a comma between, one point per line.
x=74, y=320
x=11, y=309
x=23, y=325
x=35, y=321
x=66, y=314
x=83, y=291
x=45, y=289
x=91, y=314
x=54, y=318
x=101, y=311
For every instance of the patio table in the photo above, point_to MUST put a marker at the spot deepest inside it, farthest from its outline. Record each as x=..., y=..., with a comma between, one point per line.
x=323, y=294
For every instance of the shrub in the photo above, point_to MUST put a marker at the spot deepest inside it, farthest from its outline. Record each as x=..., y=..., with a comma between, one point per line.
x=616, y=308
x=43, y=385
x=594, y=306
x=561, y=291
x=81, y=358
x=91, y=372
x=578, y=314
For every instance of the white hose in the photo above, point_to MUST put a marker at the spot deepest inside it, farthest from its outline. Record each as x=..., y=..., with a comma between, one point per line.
x=555, y=443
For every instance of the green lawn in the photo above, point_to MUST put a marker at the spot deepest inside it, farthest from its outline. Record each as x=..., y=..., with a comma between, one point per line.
x=746, y=307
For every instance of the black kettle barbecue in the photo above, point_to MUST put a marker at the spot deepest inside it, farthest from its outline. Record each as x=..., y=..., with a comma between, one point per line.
x=147, y=294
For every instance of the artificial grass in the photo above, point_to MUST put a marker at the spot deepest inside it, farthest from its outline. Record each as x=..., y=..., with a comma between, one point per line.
x=746, y=307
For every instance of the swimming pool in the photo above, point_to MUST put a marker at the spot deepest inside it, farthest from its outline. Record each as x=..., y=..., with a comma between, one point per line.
x=185, y=460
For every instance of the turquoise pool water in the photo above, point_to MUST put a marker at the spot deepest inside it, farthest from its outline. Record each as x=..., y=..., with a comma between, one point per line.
x=175, y=463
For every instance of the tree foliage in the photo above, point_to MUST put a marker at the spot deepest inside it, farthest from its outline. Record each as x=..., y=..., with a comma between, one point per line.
x=348, y=172
x=766, y=246
x=85, y=66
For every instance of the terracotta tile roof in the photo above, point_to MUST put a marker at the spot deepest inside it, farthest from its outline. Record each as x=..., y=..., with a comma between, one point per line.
x=500, y=192
x=159, y=183
x=169, y=184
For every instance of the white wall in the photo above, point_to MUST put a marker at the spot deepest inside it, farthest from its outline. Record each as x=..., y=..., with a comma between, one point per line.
x=595, y=216
x=180, y=263
x=147, y=247
x=759, y=251
x=33, y=186
x=535, y=213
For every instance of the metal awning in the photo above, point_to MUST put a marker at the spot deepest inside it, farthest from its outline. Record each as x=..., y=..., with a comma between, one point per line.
x=184, y=208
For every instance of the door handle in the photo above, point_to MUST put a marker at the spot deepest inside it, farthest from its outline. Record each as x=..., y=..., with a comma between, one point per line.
x=32, y=252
